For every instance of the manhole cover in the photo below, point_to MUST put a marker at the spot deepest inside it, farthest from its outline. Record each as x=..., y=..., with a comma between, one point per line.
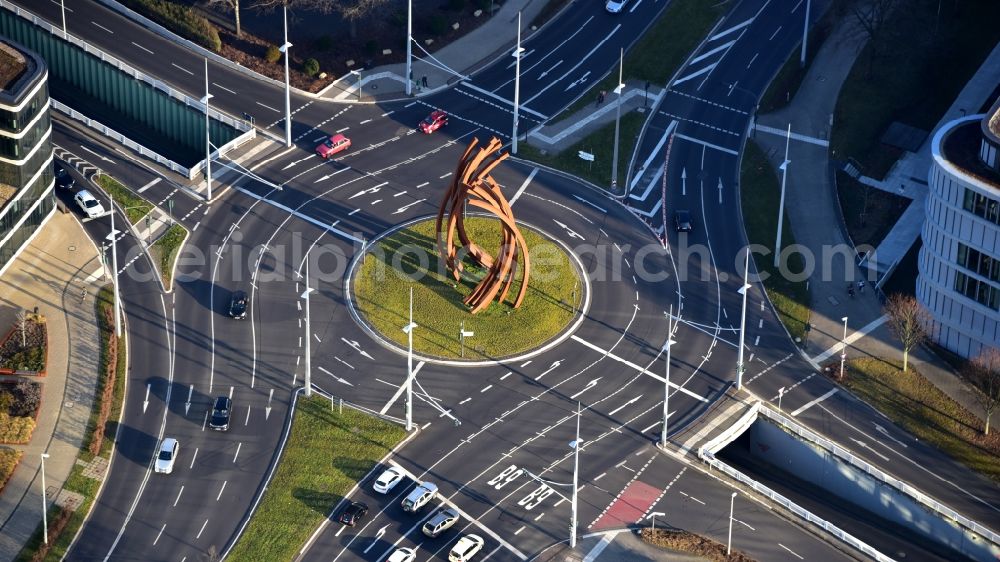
x=72, y=248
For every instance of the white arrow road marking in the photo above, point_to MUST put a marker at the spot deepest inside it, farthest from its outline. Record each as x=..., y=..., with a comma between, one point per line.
x=569, y=231
x=576, y=82
x=145, y=402
x=298, y=161
x=546, y=72
x=582, y=200
x=374, y=189
x=405, y=207
x=378, y=535
x=328, y=176
x=586, y=388
x=622, y=407
x=335, y=377
x=357, y=346
x=883, y=431
x=684, y=181
x=720, y=191
x=187, y=405
x=864, y=445
x=555, y=364
x=267, y=409
x=106, y=159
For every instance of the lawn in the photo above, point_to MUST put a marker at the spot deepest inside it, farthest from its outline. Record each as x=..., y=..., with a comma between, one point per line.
x=382, y=285
x=915, y=404
x=760, y=193
x=165, y=249
x=135, y=207
x=326, y=455
x=914, y=80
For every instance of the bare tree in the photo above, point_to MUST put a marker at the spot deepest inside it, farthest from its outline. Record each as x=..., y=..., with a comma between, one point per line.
x=351, y=10
x=984, y=372
x=228, y=5
x=871, y=17
x=22, y=323
x=909, y=320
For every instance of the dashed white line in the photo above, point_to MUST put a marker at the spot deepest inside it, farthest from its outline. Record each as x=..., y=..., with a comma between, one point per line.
x=158, y=534
x=221, y=87
x=102, y=27
x=790, y=550
x=179, y=492
x=202, y=530
x=143, y=48
x=444, y=176
x=773, y=35
x=238, y=445
x=752, y=59
x=464, y=401
x=221, y=489
x=193, y=457
x=485, y=388
x=267, y=107
x=182, y=68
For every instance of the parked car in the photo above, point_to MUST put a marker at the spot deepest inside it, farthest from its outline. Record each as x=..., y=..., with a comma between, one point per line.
x=440, y=522
x=238, y=305
x=88, y=204
x=353, y=513
x=63, y=178
x=615, y=6
x=221, y=413
x=402, y=555
x=466, y=548
x=167, y=456
x=433, y=122
x=388, y=480
x=419, y=497
x=329, y=147
x=682, y=219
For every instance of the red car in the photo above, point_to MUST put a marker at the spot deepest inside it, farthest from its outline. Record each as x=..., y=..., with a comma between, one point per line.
x=433, y=122
x=333, y=145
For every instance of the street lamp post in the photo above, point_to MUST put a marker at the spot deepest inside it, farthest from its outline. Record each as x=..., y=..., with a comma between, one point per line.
x=308, y=336
x=408, y=330
x=781, y=203
x=729, y=543
x=409, y=48
x=652, y=516
x=62, y=5
x=805, y=35
x=781, y=392
x=743, y=321
x=666, y=383
x=462, y=334
x=288, y=88
x=517, y=83
x=45, y=517
x=357, y=74
x=843, y=352
x=618, y=117
x=208, y=139
x=576, y=444
x=113, y=238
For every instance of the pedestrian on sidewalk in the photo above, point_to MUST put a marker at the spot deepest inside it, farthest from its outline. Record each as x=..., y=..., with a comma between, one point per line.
x=423, y=81
x=861, y=286
x=600, y=97
x=850, y=290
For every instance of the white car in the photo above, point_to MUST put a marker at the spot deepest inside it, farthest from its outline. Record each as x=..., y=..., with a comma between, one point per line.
x=88, y=203
x=466, y=548
x=402, y=555
x=168, y=454
x=615, y=6
x=388, y=480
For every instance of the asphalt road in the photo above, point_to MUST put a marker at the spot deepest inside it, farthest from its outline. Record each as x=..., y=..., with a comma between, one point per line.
x=476, y=423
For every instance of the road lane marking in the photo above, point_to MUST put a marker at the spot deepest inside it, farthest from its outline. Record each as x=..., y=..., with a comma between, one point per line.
x=708, y=144
x=193, y=457
x=102, y=27
x=148, y=185
x=179, y=492
x=202, y=530
x=736, y=27
x=400, y=390
x=224, y=482
x=812, y=403
x=785, y=547
x=182, y=68
x=850, y=339
x=143, y=48
x=238, y=445
x=267, y=107
x=600, y=546
x=158, y=534
x=775, y=34
x=793, y=136
x=217, y=85
x=300, y=215
x=521, y=107
x=524, y=185
x=642, y=370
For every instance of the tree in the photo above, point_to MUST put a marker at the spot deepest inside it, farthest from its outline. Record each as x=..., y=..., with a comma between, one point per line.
x=984, y=373
x=22, y=323
x=871, y=17
x=227, y=5
x=909, y=320
x=352, y=11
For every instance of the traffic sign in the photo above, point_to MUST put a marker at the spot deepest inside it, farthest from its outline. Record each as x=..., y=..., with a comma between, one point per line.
x=586, y=156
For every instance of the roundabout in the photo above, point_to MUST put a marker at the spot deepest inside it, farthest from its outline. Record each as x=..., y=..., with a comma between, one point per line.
x=406, y=257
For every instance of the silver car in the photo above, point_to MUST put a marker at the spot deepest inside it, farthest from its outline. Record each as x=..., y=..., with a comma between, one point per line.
x=440, y=522
x=419, y=497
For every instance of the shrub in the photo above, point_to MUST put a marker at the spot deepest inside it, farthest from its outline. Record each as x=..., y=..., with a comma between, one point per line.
x=456, y=5
x=108, y=374
x=15, y=429
x=6, y=401
x=180, y=19
x=324, y=43
x=27, y=398
x=483, y=5
x=371, y=47
x=273, y=54
x=438, y=24
x=311, y=67
x=8, y=461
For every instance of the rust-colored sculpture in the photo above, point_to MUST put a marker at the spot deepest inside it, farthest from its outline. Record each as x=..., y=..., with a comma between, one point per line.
x=472, y=182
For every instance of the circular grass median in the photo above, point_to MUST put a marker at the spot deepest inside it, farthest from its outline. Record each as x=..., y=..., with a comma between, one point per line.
x=409, y=258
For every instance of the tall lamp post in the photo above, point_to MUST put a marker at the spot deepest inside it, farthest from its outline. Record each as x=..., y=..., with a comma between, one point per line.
x=576, y=444
x=805, y=35
x=843, y=352
x=781, y=392
x=408, y=330
x=618, y=117
x=781, y=203
x=208, y=139
x=743, y=321
x=45, y=517
x=62, y=5
x=666, y=383
x=288, y=88
x=517, y=83
x=308, y=336
x=729, y=543
x=113, y=238
x=409, y=47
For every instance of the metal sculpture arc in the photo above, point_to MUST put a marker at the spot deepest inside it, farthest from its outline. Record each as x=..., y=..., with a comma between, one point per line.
x=473, y=183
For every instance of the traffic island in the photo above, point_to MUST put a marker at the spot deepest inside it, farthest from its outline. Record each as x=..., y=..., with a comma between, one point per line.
x=408, y=258
x=704, y=548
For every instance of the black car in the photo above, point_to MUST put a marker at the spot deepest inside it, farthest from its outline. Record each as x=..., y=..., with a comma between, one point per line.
x=683, y=221
x=353, y=513
x=238, y=305
x=63, y=178
x=220, y=413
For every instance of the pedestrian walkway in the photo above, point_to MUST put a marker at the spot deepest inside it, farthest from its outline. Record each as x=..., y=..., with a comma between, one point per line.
x=58, y=272
x=812, y=207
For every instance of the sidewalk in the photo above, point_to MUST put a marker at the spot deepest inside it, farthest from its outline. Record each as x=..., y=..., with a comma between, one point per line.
x=52, y=273
x=451, y=63
x=812, y=207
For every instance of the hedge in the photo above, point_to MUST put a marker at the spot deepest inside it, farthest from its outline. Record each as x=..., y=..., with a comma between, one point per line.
x=15, y=429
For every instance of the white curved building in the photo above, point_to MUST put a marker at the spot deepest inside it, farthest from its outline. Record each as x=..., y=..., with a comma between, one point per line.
x=959, y=263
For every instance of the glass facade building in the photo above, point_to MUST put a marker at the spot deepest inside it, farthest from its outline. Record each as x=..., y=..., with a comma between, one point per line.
x=959, y=262
x=26, y=182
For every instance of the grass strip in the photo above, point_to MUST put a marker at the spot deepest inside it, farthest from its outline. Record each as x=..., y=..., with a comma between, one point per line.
x=919, y=407
x=326, y=455
x=135, y=207
x=760, y=194
x=165, y=250
x=63, y=526
x=409, y=258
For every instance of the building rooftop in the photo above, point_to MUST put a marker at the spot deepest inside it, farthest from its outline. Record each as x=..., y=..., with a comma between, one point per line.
x=12, y=65
x=960, y=146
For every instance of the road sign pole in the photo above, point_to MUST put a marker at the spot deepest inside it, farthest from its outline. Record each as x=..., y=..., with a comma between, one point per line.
x=288, y=87
x=517, y=84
